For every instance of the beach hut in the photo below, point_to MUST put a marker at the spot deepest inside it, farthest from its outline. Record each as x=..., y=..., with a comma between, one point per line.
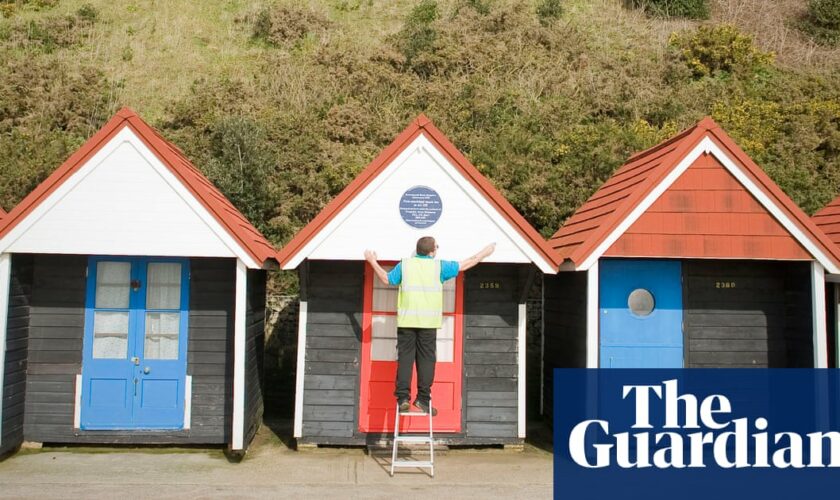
x=419, y=185
x=689, y=255
x=134, y=293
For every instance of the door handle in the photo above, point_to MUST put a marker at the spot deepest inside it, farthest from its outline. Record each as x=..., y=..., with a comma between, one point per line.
x=147, y=370
x=135, y=360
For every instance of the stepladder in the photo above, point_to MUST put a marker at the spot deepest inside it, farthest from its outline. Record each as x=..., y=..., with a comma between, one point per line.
x=412, y=437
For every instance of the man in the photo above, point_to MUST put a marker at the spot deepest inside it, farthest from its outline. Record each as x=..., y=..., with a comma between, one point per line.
x=420, y=314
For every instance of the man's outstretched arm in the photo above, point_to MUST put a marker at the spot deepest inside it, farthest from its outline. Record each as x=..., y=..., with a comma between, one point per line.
x=475, y=259
x=370, y=256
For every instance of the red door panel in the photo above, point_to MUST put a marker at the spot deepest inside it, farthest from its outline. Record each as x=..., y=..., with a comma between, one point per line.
x=379, y=366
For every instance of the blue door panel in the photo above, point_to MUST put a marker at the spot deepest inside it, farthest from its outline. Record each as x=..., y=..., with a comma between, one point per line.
x=130, y=390
x=630, y=340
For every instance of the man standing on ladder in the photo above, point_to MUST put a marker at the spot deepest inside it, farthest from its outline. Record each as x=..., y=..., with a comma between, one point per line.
x=420, y=314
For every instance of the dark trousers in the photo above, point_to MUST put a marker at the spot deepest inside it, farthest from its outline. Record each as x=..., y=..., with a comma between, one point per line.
x=416, y=345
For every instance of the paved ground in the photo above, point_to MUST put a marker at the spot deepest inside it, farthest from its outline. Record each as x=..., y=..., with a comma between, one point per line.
x=270, y=470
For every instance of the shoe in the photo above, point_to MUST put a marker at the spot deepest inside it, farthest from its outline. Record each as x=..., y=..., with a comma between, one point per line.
x=424, y=407
x=405, y=407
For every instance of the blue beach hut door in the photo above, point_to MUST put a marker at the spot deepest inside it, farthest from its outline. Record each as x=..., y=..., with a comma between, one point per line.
x=640, y=314
x=134, y=359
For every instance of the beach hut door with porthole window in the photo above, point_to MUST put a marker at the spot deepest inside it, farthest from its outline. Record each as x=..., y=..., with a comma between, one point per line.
x=640, y=313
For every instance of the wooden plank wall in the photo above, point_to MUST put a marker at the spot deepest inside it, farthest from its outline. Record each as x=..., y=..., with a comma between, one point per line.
x=334, y=293
x=55, y=354
x=14, y=378
x=763, y=321
x=564, y=328
x=491, y=367
x=254, y=349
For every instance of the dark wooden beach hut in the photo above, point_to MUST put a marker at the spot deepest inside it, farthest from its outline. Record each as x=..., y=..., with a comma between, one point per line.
x=419, y=185
x=688, y=256
x=134, y=295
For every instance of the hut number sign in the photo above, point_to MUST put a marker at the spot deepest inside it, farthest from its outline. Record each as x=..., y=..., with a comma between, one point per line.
x=420, y=207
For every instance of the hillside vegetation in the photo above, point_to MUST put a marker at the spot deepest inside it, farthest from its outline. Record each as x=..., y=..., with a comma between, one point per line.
x=282, y=103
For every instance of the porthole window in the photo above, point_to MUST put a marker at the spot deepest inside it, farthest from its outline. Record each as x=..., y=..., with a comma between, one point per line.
x=641, y=302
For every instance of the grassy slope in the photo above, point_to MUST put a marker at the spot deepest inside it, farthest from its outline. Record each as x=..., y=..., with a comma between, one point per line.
x=573, y=120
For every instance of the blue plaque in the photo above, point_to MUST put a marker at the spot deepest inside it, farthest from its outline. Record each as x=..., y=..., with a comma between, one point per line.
x=420, y=207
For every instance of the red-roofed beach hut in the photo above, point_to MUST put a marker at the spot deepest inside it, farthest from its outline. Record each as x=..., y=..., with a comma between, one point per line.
x=420, y=185
x=689, y=255
x=135, y=294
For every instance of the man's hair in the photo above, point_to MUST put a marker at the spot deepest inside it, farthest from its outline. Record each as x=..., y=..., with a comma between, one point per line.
x=425, y=245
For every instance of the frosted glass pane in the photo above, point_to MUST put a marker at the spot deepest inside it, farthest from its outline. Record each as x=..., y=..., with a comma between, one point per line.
x=112, y=284
x=445, y=350
x=384, y=327
x=383, y=349
x=445, y=340
x=447, y=330
x=162, y=335
x=385, y=299
x=163, y=287
x=110, y=334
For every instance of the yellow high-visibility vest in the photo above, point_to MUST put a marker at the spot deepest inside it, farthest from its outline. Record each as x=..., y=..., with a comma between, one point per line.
x=420, y=300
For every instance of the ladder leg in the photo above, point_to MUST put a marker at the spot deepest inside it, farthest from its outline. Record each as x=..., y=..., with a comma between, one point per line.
x=396, y=435
x=431, y=440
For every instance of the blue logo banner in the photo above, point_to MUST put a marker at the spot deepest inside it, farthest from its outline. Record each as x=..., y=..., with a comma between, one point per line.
x=711, y=434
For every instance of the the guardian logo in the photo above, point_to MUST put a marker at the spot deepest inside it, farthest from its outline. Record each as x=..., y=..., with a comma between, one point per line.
x=693, y=434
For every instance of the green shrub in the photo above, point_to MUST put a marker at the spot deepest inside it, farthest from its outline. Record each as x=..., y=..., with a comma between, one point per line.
x=692, y=9
x=50, y=33
x=712, y=50
x=285, y=25
x=549, y=10
x=823, y=21
x=418, y=34
x=88, y=12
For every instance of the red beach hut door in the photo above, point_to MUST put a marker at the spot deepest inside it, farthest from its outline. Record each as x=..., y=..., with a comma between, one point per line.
x=379, y=360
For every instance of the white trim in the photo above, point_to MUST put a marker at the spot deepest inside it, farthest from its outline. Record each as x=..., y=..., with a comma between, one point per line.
x=836, y=326
x=542, y=345
x=301, y=365
x=522, y=333
x=818, y=315
x=187, y=402
x=126, y=135
x=709, y=146
x=77, y=403
x=592, y=307
x=239, y=324
x=421, y=143
x=5, y=281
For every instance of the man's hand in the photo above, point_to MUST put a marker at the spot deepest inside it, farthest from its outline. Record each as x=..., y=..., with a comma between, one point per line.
x=475, y=259
x=370, y=256
x=486, y=251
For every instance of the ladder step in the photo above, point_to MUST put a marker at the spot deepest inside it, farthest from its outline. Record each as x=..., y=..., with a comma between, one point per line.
x=413, y=439
x=409, y=463
x=413, y=414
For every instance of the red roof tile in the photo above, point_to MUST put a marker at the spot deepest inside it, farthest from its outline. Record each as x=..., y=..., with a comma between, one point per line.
x=613, y=202
x=828, y=219
x=421, y=125
x=242, y=231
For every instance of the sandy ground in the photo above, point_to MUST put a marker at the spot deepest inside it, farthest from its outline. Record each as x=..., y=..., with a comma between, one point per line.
x=270, y=469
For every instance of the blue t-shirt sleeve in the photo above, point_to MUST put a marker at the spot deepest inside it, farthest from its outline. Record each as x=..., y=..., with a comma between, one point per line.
x=448, y=269
x=395, y=275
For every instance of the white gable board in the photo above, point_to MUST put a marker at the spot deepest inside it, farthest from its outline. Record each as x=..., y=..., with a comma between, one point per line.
x=122, y=201
x=372, y=219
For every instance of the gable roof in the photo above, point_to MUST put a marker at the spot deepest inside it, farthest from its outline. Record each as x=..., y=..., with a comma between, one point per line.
x=251, y=241
x=588, y=233
x=420, y=126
